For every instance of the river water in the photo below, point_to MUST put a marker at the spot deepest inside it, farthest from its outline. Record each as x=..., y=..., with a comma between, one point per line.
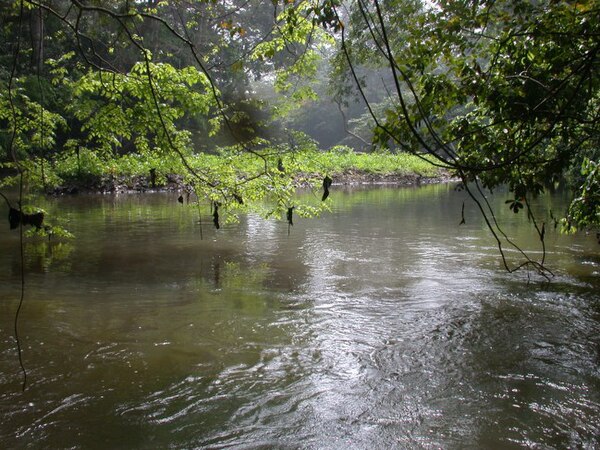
x=382, y=324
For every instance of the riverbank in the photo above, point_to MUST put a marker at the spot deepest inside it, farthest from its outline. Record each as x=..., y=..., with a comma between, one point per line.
x=358, y=177
x=132, y=173
x=175, y=183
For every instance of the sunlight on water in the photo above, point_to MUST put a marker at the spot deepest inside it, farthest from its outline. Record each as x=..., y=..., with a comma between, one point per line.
x=381, y=325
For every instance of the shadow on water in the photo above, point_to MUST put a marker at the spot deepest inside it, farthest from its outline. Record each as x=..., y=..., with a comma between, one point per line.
x=381, y=325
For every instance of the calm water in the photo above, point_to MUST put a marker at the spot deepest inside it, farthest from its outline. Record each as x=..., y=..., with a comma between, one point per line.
x=380, y=325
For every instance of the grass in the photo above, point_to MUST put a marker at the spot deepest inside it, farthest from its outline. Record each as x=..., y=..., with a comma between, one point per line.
x=338, y=161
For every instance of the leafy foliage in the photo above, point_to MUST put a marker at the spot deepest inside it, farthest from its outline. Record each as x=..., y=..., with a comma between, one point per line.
x=28, y=126
x=584, y=211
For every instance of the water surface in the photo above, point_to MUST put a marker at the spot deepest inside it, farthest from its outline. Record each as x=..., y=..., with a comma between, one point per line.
x=382, y=324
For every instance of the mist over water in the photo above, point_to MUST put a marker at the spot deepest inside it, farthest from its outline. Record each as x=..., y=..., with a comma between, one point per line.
x=382, y=324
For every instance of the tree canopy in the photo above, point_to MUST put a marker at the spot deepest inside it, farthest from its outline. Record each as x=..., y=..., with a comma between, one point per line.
x=496, y=92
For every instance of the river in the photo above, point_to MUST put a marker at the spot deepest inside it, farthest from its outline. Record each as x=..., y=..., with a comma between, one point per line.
x=382, y=324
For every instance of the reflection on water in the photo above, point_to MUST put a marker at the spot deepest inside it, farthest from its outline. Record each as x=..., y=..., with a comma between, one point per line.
x=381, y=325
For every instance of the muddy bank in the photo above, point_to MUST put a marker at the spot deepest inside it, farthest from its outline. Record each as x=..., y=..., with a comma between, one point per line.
x=175, y=183
x=354, y=177
x=121, y=185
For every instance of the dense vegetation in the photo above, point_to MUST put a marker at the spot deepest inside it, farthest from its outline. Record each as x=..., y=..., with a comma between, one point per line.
x=242, y=97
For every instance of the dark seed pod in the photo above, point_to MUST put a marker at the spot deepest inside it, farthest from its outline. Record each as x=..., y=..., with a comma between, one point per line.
x=216, y=215
x=326, y=185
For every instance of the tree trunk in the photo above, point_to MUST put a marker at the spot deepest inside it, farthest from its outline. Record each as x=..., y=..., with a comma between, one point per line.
x=37, y=38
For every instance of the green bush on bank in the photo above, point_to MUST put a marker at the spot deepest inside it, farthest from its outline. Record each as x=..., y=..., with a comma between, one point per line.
x=85, y=166
x=342, y=159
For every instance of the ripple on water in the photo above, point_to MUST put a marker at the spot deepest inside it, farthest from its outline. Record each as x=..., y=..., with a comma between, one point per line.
x=368, y=331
